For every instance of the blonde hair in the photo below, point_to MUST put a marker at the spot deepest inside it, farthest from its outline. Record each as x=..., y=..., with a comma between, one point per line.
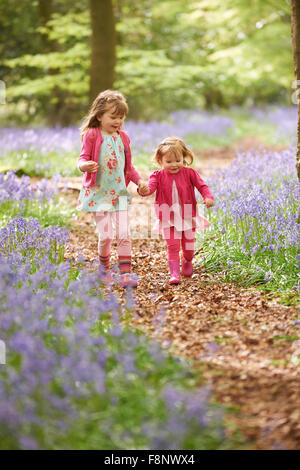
x=105, y=100
x=176, y=146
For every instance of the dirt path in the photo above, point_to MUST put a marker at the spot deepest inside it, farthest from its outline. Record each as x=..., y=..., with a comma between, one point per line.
x=245, y=343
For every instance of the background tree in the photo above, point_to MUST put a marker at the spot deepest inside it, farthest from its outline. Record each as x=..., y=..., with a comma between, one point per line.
x=170, y=54
x=295, y=14
x=45, y=11
x=103, y=45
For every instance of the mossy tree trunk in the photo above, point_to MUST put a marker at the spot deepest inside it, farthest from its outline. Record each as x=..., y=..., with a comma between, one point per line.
x=45, y=12
x=295, y=13
x=103, y=46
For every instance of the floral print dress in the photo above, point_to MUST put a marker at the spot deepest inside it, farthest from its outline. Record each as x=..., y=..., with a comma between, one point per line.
x=110, y=192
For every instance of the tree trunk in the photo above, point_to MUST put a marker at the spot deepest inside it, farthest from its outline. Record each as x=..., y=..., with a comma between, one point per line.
x=213, y=99
x=295, y=14
x=103, y=45
x=45, y=12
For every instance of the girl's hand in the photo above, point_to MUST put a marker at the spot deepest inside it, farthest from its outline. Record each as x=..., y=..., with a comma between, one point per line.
x=144, y=191
x=208, y=202
x=89, y=166
x=143, y=188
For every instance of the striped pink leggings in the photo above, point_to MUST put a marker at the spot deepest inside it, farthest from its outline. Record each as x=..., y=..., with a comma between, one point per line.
x=104, y=223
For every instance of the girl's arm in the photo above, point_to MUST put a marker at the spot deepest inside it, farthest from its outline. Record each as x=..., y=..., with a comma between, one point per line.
x=131, y=172
x=86, y=150
x=136, y=178
x=134, y=175
x=198, y=182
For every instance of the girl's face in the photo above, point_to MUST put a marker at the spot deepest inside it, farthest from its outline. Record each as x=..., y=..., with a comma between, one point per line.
x=110, y=122
x=171, y=162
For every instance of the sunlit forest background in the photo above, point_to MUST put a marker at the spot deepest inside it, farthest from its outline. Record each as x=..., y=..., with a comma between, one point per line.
x=170, y=55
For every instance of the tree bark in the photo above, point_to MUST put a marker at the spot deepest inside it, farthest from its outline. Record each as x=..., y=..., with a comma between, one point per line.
x=45, y=12
x=103, y=47
x=295, y=19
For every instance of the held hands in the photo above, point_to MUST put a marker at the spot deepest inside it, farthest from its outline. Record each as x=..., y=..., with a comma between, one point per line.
x=143, y=189
x=208, y=202
x=89, y=166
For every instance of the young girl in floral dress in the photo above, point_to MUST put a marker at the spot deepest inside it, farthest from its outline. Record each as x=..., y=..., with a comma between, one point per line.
x=105, y=160
x=175, y=203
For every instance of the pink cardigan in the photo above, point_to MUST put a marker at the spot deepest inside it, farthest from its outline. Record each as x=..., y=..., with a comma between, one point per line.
x=90, y=149
x=186, y=180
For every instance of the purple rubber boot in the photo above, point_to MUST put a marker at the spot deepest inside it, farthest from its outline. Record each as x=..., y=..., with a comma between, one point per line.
x=174, y=267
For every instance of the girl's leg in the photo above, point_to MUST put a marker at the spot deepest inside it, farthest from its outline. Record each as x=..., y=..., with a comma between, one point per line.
x=121, y=220
x=188, y=246
x=172, y=237
x=105, y=238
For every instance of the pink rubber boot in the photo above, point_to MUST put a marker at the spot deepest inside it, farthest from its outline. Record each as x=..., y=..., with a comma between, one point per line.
x=174, y=267
x=186, y=267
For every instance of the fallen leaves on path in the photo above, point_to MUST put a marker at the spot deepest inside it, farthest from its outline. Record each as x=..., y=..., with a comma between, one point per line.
x=245, y=343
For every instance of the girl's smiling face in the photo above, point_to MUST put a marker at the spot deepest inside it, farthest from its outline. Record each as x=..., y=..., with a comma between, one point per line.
x=171, y=162
x=111, y=122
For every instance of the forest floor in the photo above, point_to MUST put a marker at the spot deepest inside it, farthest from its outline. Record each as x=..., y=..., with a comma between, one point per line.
x=242, y=340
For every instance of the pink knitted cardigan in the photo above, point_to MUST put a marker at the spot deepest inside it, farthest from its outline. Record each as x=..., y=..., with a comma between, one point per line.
x=186, y=180
x=90, y=149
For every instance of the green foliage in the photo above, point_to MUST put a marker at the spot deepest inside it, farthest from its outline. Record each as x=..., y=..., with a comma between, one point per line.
x=33, y=164
x=251, y=270
x=170, y=55
x=57, y=212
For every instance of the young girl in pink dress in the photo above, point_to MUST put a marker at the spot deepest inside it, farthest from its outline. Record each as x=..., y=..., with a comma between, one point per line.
x=175, y=203
x=105, y=160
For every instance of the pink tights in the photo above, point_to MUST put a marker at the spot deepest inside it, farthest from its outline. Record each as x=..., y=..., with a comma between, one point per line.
x=104, y=223
x=173, y=237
